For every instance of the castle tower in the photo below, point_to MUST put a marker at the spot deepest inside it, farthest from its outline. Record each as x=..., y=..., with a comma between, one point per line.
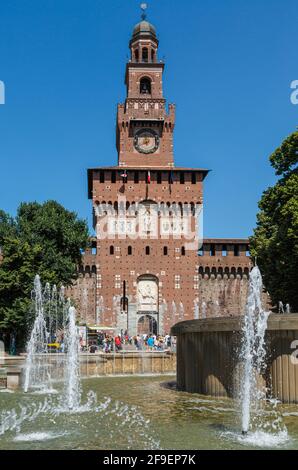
x=145, y=209
x=144, y=128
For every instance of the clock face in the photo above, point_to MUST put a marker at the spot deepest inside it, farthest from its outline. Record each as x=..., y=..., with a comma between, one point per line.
x=146, y=141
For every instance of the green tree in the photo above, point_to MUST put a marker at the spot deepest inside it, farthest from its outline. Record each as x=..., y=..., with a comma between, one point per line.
x=275, y=239
x=61, y=235
x=44, y=239
x=7, y=226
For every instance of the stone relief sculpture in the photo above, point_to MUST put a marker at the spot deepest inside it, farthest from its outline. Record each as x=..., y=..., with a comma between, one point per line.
x=147, y=295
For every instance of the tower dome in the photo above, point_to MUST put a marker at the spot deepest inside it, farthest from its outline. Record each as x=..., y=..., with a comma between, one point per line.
x=144, y=28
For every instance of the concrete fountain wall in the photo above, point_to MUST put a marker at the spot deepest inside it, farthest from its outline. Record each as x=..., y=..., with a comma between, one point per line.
x=93, y=365
x=207, y=356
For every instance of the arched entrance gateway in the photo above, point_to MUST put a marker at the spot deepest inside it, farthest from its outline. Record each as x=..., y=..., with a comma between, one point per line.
x=147, y=304
x=147, y=325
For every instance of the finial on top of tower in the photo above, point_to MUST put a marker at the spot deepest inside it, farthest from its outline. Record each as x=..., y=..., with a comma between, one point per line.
x=144, y=7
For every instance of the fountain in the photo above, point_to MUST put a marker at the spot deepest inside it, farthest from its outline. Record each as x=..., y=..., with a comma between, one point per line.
x=51, y=311
x=37, y=372
x=253, y=350
x=174, y=309
x=102, y=305
x=217, y=309
x=196, y=310
x=181, y=311
x=204, y=310
x=72, y=387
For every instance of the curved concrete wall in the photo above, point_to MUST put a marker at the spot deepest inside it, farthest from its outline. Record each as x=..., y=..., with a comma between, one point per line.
x=207, y=356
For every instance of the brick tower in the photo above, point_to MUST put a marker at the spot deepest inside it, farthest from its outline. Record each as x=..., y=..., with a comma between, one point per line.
x=145, y=209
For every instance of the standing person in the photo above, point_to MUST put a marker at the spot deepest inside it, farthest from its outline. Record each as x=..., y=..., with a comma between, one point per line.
x=106, y=345
x=138, y=343
x=150, y=342
x=93, y=347
x=118, y=345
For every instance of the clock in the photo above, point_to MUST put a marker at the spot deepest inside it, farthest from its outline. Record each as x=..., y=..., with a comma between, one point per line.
x=146, y=141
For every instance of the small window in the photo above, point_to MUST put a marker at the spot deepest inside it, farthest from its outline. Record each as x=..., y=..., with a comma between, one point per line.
x=102, y=177
x=159, y=178
x=111, y=250
x=182, y=180
x=236, y=250
x=113, y=177
x=165, y=250
x=224, y=251
x=87, y=269
x=129, y=250
x=193, y=178
x=145, y=54
x=183, y=251
x=247, y=253
x=136, y=177
x=145, y=86
x=212, y=250
x=147, y=250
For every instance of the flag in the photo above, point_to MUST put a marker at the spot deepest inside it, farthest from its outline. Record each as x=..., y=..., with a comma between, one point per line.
x=148, y=177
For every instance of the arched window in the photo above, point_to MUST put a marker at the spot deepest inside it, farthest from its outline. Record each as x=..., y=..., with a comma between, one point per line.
x=145, y=54
x=87, y=270
x=236, y=250
x=147, y=250
x=129, y=250
x=152, y=55
x=145, y=86
x=111, y=250
x=137, y=55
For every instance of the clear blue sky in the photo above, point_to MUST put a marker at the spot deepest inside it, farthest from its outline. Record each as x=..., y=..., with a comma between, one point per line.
x=229, y=65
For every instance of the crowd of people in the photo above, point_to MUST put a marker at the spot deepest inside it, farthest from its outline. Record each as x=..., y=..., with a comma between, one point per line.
x=147, y=342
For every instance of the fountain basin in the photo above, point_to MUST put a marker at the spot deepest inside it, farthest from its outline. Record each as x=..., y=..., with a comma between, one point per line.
x=208, y=360
x=97, y=365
